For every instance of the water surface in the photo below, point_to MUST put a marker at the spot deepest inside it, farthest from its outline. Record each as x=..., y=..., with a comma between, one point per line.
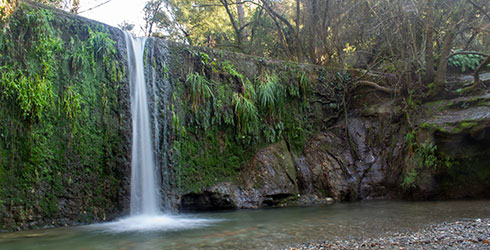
x=254, y=229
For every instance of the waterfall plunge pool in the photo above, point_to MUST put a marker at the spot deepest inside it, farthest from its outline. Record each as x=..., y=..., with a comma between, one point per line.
x=250, y=229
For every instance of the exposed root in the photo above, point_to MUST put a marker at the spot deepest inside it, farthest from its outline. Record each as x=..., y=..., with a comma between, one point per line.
x=375, y=86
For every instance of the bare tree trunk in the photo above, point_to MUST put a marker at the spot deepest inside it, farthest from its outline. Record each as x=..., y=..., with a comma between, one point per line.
x=299, y=50
x=290, y=27
x=254, y=27
x=429, y=51
x=440, y=77
x=476, y=74
x=298, y=15
x=238, y=33
x=241, y=19
x=312, y=16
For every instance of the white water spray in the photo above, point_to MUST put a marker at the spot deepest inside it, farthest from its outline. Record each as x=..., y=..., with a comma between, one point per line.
x=144, y=189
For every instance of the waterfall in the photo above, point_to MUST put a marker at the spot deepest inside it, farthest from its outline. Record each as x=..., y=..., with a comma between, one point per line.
x=145, y=198
x=145, y=214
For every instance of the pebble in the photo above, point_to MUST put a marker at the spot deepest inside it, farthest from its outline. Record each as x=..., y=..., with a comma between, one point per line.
x=462, y=234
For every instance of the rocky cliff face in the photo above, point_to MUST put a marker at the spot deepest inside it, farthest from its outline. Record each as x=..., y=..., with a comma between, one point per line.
x=459, y=128
x=233, y=131
x=64, y=110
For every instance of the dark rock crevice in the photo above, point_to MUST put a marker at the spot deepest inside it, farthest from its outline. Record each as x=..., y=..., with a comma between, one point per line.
x=206, y=201
x=275, y=199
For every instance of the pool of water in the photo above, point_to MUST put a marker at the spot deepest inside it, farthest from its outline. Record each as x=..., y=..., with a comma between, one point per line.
x=252, y=229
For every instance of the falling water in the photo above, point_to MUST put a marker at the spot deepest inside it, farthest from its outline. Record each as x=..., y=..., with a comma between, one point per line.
x=145, y=196
x=144, y=189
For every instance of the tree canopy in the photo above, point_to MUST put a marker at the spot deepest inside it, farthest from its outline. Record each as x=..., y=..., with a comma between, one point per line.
x=414, y=40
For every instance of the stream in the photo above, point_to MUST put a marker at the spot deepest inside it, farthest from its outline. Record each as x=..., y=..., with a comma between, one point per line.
x=253, y=229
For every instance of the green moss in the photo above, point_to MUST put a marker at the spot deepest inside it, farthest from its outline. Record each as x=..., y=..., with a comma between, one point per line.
x=59, y=106
x=218, y=136
x=467, y=125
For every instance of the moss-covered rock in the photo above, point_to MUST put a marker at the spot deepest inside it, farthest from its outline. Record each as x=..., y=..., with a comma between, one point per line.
x=452, y=140
x=458, y=126
x=63, y=152
x=269, y=179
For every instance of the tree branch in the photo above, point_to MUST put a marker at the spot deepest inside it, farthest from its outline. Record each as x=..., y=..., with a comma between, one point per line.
x=97, y=6
x=238, y=30
x=219, y=5
x=476, y=74
x=479, y=8
x=375, y=86
x=468, y=53
x=269, y=9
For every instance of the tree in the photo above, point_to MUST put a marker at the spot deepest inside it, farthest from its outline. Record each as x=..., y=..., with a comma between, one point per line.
x=7, y=7
x=154, y=14
x=126, y=26
x=411, y=40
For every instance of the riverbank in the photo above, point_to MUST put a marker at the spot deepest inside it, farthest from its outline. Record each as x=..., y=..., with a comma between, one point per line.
x=461, y=234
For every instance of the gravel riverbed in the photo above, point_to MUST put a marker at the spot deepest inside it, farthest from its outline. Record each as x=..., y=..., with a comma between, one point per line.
x=462, y=234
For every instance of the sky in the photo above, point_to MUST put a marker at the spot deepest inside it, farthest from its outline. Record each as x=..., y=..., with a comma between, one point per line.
x=115, y=12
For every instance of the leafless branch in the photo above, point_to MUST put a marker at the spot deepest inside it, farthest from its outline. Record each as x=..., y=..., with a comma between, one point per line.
x=479, y=8
x=96, y=6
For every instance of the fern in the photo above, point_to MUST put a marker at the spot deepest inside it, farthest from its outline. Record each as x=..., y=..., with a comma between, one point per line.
x=200, y=89
x=269, y=92
x=464, y=62
x=72, y=103
x=101, y=46
x=246, y=114
x=304, y=84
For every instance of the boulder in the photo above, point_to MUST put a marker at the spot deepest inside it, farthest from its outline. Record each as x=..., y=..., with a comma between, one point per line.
x=267, y=180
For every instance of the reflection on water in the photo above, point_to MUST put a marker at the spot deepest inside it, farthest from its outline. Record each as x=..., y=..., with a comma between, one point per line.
x=254, y=229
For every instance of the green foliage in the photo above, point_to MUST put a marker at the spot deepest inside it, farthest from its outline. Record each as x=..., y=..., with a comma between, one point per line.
x=410, y=138
x=33, y=95
x=100, y=47
x=211, y=157
x=424, y=158
x=165, y=71
x=299, y=87
x=410, y=178
x=200, y=90
x=222, y=106
x=304, y=84
x=204, y=58
x=270, y=93
x=215, y=137
x=246, y=114
x=410, y=101
x=230, y=69
x=30, y=84
x=425, y=155
x=464, y=62
x=72, y=103
x=59, y=106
